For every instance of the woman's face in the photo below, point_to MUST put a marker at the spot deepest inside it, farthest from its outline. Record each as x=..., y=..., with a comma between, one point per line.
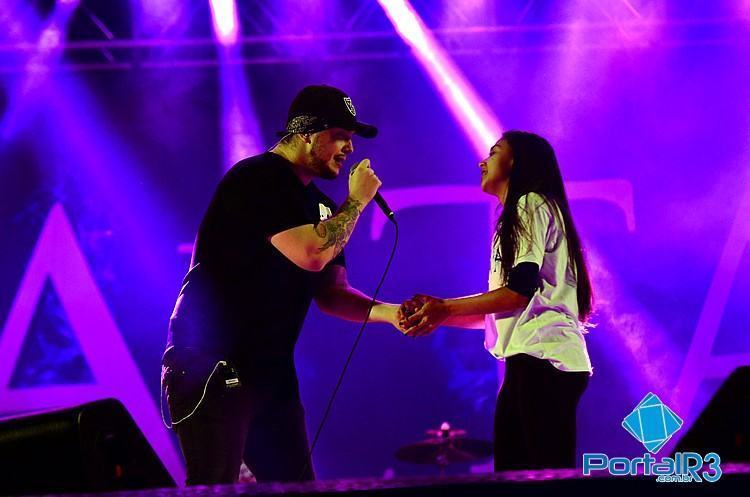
x=496, y=168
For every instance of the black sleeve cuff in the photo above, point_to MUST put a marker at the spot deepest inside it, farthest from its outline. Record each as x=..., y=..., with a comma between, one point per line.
x=524, y=279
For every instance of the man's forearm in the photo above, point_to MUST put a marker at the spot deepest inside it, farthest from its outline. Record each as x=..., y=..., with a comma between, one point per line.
x=350, y=304
x=334, y=233
x=313, y=246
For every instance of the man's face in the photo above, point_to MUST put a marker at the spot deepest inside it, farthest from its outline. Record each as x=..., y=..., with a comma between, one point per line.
x=328, y=151
x=496, y=167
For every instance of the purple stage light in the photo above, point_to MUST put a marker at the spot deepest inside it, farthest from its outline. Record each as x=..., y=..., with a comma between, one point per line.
x=478, y=122
x=159, y=17
x=302, y=19
x=49, y=45
x=465, y=13
x=226, y=23
x=50, y=39
x=240, y=126
x=82, y=139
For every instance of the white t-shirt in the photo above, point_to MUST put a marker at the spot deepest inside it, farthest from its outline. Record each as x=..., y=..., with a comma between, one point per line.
x=548, y=327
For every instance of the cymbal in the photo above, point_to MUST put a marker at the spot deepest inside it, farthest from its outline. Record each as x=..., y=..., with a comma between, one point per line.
x=441, y=451
x=446, y=431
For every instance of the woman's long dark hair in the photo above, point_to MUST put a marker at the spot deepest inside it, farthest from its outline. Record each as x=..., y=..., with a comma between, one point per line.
x=535, y=169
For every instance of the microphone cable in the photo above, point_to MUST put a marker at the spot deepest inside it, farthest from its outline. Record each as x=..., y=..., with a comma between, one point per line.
x=351, y=352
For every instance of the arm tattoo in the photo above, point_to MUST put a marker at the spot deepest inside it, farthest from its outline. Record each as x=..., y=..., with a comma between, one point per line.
x=336, y=231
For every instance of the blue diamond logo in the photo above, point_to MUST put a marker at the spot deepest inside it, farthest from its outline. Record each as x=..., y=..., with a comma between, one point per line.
x=652, y=423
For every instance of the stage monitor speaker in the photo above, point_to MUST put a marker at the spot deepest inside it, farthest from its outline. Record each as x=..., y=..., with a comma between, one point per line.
x=89, y=448
x=724, y=425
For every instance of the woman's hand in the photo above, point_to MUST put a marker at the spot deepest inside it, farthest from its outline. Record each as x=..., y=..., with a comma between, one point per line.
x=422, y=314
x=407, y=308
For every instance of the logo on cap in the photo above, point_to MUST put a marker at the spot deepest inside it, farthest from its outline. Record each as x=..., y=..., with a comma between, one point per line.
x=350, y=105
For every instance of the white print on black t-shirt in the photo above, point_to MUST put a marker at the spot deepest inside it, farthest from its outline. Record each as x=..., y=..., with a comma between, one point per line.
x=325, y=212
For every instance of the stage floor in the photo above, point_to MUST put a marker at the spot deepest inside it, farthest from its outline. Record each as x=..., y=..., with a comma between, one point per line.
x=734, y=481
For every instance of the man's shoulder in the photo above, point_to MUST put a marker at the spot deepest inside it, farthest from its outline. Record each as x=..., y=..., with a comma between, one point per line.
x=262, y=169
x=265, y=163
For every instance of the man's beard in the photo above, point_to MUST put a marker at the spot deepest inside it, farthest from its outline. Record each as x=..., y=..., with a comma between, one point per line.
x=319, y=166
x=321, y=169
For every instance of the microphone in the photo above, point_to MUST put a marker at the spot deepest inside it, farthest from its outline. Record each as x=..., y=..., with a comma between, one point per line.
x=378, y=198
x=384, y=207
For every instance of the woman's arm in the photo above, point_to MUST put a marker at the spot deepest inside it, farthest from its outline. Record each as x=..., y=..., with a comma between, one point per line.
x=473, y=322
x=435, y=312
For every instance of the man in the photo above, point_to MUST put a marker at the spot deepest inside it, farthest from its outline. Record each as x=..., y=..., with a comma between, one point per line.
x=268, y=244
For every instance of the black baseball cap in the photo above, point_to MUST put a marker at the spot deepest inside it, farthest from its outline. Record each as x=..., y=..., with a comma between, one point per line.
x=320, y=107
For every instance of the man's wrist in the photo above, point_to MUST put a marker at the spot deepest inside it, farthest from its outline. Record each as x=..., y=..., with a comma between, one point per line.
x=384, y=313
x=355, y=203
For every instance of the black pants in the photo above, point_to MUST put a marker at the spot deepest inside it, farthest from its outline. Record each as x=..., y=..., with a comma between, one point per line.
x=535, y=417
x=267, y=431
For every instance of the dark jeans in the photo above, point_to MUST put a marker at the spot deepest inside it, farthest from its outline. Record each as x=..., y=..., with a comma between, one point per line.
x=535, y=417
x=233, y=424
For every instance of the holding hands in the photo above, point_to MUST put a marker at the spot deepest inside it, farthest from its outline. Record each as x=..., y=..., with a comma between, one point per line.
x=422, y=314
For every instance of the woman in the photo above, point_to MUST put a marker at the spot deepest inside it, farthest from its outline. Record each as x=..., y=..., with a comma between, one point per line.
x=539, y=297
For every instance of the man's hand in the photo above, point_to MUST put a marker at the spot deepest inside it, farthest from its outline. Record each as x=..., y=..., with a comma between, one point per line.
x=363, y=184
x=422, y=314
x=390, y=313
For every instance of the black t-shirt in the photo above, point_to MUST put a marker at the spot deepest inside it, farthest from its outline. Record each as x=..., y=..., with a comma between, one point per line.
x=243, y=299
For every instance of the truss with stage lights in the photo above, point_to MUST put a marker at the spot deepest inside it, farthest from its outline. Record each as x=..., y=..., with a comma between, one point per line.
x=104, y=36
